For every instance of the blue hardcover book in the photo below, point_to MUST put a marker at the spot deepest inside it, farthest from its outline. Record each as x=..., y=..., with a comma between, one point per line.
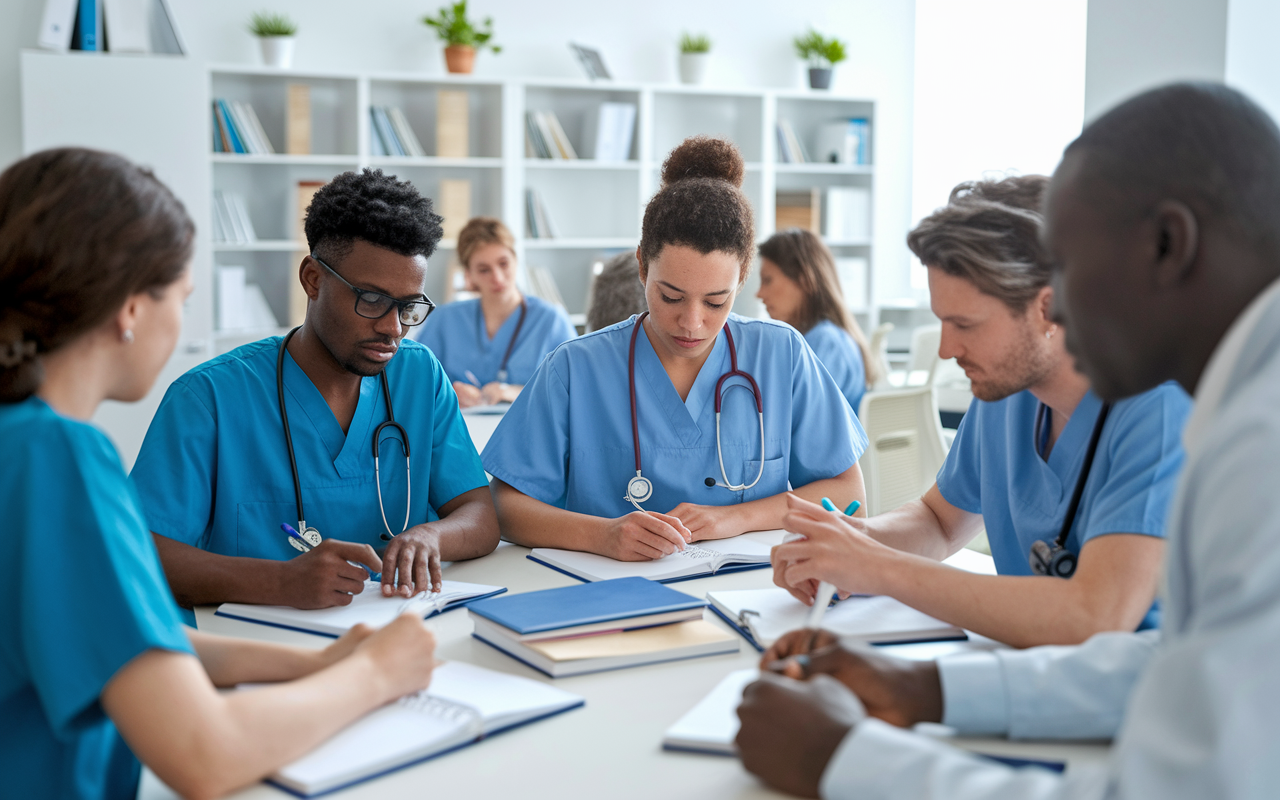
x=589, y=604
x=237, y=144
x=88, y=25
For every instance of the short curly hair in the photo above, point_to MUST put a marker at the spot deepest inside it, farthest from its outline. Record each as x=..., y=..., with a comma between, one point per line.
x=700, y=204
x=376, y=208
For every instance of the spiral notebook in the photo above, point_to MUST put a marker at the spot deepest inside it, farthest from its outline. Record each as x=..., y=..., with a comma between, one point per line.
x=369, y=607
x=463, y=705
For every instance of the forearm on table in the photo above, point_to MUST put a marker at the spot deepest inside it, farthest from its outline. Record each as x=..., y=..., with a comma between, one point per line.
x=198, y=577
x=229, y=660
x=468, y=526
x=533, y=523
x=766, y=513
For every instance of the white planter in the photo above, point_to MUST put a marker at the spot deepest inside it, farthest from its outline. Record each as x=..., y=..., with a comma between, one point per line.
x=277, y=51
x=693, y=67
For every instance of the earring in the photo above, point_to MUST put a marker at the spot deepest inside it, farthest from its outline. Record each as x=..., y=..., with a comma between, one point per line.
x=1049, y=333
x=126, y=336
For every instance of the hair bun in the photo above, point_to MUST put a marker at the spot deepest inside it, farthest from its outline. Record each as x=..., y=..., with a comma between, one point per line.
x=704, y=157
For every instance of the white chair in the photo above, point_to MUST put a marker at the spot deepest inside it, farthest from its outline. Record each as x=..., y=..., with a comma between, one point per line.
x=925, y=341
x=905, y=449
x=879, y=347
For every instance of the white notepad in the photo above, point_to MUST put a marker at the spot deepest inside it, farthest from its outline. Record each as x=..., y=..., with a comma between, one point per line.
x=698, y=559
x=764, y=615
x=712, y=725
x=463, y=704
x=369, y=607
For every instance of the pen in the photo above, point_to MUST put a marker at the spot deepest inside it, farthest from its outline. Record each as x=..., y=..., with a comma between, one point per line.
x=471, y=376
x=825, y=590
x=287, y=528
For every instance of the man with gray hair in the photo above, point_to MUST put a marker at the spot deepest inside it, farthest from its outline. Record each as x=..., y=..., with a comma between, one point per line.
x=1162, y=219
x=1072, y=492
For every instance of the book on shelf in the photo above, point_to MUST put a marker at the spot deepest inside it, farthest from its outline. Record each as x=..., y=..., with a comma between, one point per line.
x=389, y=144
x=166, y=37
x=455, y=205
x=238, y=129
x=87, y=33
x=844, y=141
x=57, y=24
x=614, y=127
x=404, y=132
x=542, y=284
x=852, y=273
x=242, y=305
x=799, y=209
x=127, y=25
x=847, y=214
x=297, y=120
x=453, y=108
x=535, y=147
x=536, y=216
x=231, y=222
x=547, y=138
x=790, y=148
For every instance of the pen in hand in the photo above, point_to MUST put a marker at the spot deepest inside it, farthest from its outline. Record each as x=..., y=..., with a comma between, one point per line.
x=289, y=529
x=473, y=380
x=825, y=590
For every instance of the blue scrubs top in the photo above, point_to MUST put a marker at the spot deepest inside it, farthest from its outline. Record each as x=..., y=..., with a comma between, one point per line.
x=567, y=438
x=994, y=469
x=456, y=334
x=214, y=472
x=83, y=595
x=839, y=353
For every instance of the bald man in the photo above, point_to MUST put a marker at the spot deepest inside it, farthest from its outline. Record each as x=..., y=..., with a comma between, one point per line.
x=1164, y=222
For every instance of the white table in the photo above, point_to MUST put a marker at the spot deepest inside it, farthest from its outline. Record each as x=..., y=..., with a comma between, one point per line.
x=612, y=746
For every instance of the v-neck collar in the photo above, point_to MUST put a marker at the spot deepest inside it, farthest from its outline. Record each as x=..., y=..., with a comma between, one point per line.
x=482, y=330
x=1068, y=451
x=682, y=415
x=344, y=450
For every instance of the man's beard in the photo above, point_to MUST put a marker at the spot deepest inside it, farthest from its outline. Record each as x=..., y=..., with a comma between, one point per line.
x=1024, y=367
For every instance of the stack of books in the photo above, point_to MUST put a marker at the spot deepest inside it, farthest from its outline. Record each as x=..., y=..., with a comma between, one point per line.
x=539, y=221
x=594, y=627
x=231, y=222
x=546, y=138
x=391, y=134
x=790, y=148
x=848, y=214
x=236, y=129
x=542, y=284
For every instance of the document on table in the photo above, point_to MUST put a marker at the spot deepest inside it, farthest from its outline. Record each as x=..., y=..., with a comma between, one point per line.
x=748, y=551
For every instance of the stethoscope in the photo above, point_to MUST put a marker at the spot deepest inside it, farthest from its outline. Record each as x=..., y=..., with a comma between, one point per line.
x=311, y=536
x=640, y=488
x=1056, y=559
x=515, y=336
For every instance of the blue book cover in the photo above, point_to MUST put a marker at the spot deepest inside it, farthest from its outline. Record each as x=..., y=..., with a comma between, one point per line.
x=237, y=144
x=584, y=604
x=86, y=28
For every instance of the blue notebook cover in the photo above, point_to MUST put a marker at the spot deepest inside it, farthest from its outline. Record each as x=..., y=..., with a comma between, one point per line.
x=584, y=604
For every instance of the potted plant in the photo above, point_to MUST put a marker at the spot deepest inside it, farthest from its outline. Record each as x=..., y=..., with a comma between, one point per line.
x=276, y=33
x=822, y=54
x=462, y=39
x=695, y=50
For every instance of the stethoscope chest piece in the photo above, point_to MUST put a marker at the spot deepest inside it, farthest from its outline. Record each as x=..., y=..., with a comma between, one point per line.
x=639, y=489
x=310, y=535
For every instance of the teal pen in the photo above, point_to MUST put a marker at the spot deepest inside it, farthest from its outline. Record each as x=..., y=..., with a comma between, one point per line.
x=825, y=590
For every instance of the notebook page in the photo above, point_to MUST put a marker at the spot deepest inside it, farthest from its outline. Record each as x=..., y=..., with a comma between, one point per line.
x=712, y=724
x=500, y=699
x=770, y=613
x=695, y=559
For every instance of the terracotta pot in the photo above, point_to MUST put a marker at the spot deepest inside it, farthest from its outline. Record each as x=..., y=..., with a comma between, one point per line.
x=460, y=58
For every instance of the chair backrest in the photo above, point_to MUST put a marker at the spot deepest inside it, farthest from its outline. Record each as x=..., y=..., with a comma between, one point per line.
x=879, y=346
x=906, y=447
x=924, y=350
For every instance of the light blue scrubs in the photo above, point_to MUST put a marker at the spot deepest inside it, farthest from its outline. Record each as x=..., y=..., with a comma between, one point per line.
x=83, y=595
x=839, y=353
x=567, y=439
x=994, y=469
x=214, y=473
x=456, y=333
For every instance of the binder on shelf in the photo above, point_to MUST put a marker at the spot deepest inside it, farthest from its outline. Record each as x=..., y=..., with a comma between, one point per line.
x=844, y=141
x=165, y=35
x=58, y=23
x=455, y=205
x=297, y=120
x=614, y=128
x=87, y=33
x=799, y=209
x=848, y=214
x=404, y=132
x=127, y=25
x=452, y=123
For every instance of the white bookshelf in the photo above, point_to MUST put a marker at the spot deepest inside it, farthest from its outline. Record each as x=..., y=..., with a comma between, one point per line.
x=596, y=207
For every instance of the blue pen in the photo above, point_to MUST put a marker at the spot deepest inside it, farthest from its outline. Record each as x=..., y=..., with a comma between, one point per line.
x=825, y=590
x=289, y=529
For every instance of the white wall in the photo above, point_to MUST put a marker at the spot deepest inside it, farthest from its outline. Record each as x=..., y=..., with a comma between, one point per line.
x=1135, y=45
x=1253, y=59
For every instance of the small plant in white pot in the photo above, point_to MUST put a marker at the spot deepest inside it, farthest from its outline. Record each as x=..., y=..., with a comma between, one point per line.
x=462, y=38
x=822, y=54
x=276, y=33
x=695, y=51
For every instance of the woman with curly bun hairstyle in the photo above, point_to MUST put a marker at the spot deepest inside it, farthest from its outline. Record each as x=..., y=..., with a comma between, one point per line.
x=97, y=672
x=635, y=440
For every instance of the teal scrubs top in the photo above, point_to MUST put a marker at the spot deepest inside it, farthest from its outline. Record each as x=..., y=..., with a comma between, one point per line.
x=213, y=471
x=995, y=469
x=567, y=438
x=457, y=335
x=839, y=353
x=83, y=595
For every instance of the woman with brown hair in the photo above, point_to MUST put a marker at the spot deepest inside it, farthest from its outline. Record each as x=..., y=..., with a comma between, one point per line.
x=702, y=416
x=489, y=346
x=799, y=286
x=94, y=270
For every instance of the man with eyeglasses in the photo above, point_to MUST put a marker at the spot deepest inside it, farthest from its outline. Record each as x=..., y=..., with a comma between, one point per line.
x=242, y=513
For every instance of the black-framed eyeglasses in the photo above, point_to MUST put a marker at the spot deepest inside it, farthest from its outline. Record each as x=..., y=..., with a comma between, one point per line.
x=375, y=305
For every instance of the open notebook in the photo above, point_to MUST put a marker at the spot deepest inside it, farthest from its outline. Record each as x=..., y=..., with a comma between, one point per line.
x=369, y=607
x=463, y=704
x=748, y=551
x=764, y=615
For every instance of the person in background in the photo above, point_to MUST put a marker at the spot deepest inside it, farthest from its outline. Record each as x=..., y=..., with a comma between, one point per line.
x=1162, y=225
x=96, y=670
x=651, y=412
x=221, y=483
x=799, y=286
x=1018, y=457
x=616, y=293
x=490, y=346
